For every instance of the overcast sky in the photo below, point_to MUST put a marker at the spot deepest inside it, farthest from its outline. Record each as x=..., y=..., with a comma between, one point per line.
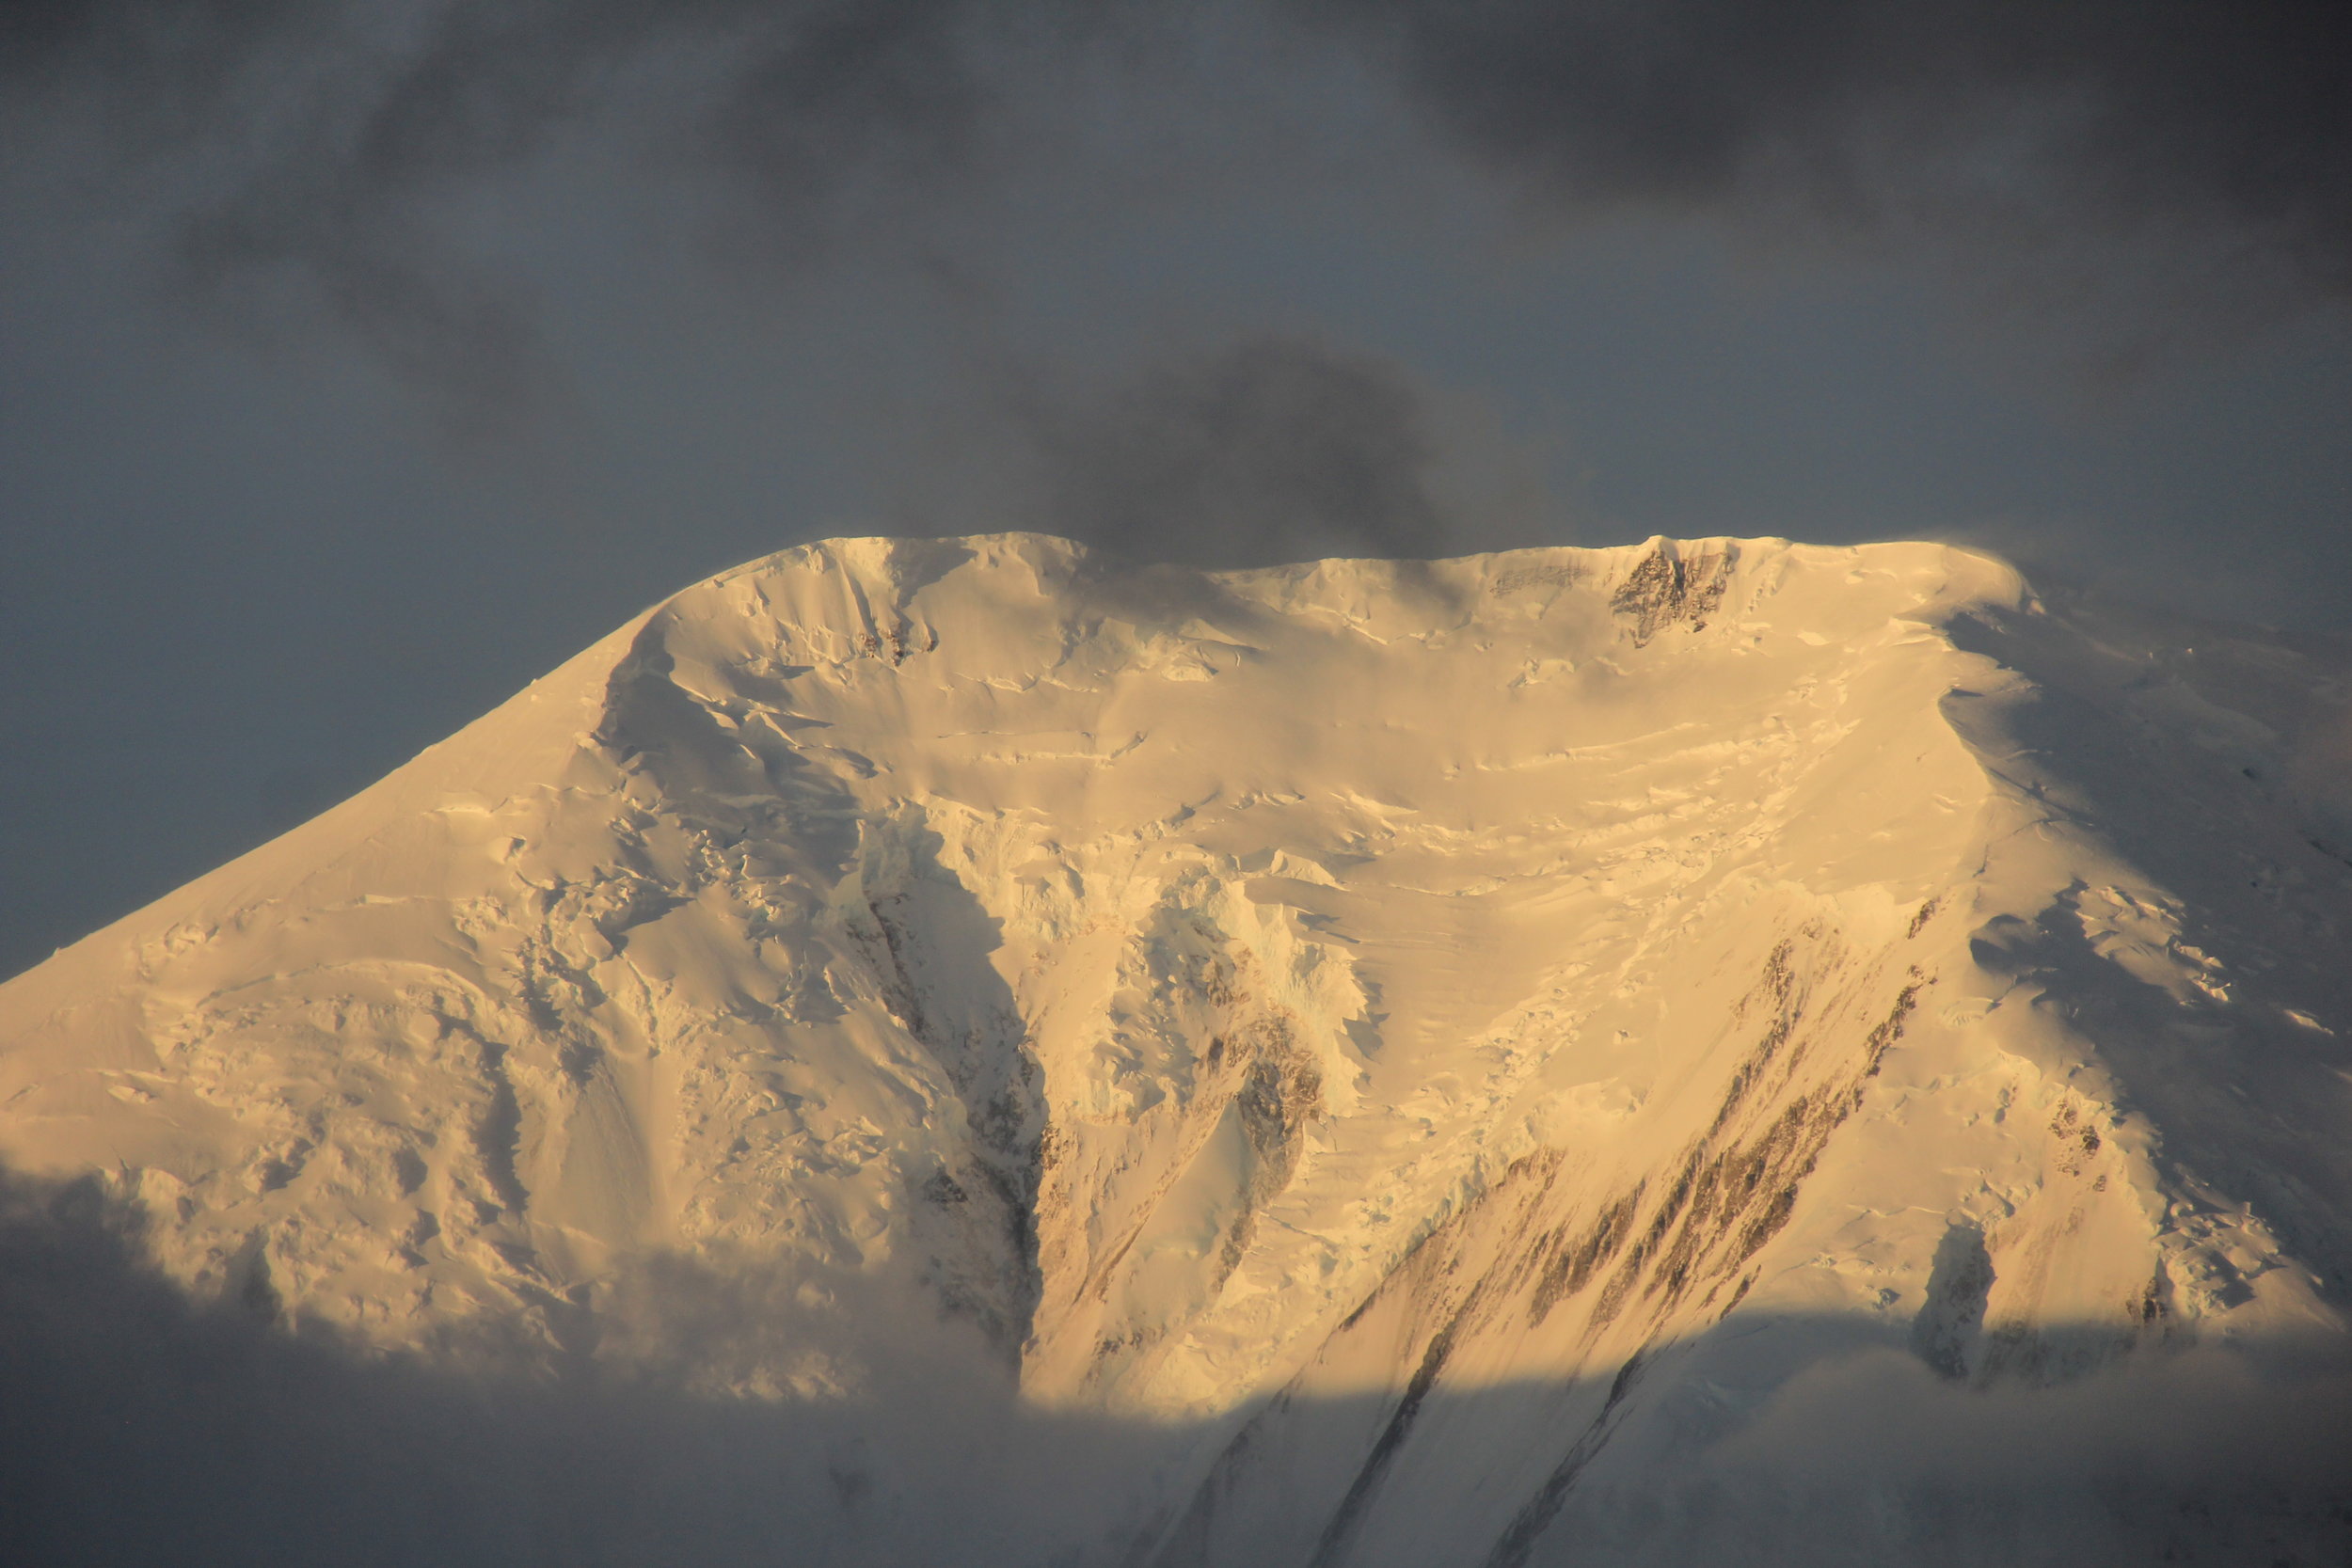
x=364, y=360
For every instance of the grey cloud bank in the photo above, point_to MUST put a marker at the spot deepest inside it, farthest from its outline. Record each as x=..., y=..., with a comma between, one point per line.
x=2151, y=116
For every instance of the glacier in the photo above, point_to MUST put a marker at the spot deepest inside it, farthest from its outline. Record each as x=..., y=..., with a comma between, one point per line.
x=973, y=1051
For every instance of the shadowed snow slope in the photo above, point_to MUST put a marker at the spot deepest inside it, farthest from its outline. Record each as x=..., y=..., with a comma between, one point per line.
x=1468, y=1062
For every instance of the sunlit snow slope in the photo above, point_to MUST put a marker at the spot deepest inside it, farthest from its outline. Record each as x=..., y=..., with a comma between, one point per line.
x=1454, y=1040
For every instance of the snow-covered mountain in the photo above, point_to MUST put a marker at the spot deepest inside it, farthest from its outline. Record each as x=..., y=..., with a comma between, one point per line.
x=1726, y=1050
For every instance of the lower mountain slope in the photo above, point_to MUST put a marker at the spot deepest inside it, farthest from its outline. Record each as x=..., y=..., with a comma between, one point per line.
x=1565, y=1051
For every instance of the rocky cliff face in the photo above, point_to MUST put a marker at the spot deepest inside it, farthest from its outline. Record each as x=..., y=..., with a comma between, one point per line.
x=1447, y=1046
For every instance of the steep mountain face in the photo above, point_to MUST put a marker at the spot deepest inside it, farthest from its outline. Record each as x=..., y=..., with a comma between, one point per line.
x=1452, y=1053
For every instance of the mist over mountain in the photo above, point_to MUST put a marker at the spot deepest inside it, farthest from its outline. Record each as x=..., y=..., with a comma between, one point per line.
x=974, y=1049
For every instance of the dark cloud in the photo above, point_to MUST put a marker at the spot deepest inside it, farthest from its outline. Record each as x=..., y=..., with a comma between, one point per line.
x=322, y=145
x=318, y=142
x=2149, y=118
x=381, y=101
x=1271, y=448
x=144, y=55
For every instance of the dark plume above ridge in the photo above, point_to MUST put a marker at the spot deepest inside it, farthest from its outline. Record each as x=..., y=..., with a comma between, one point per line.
x=1270, y=449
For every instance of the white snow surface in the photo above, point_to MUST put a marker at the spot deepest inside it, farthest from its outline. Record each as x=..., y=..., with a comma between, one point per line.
x=1720, y=1051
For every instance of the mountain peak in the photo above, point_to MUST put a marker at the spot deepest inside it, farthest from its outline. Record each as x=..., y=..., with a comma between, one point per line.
x=1277, y=1002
